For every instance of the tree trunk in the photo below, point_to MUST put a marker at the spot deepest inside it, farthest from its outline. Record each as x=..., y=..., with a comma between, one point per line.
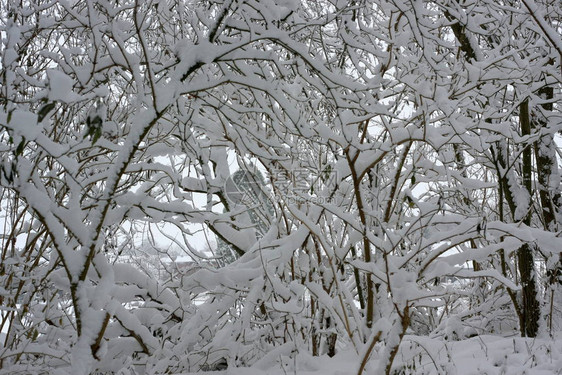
x=530, y=310
x=549, y=191
x=526, y=262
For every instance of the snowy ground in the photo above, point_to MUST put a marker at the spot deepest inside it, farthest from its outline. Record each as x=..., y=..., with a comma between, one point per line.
x=490, y=355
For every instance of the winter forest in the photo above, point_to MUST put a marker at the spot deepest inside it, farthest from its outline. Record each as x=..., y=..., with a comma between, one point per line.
x=280, y=187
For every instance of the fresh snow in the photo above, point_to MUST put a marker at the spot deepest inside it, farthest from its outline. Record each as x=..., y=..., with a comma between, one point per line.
x=480, y=355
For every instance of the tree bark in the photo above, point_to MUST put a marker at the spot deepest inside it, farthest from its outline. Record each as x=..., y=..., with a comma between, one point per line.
x=526, y=262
